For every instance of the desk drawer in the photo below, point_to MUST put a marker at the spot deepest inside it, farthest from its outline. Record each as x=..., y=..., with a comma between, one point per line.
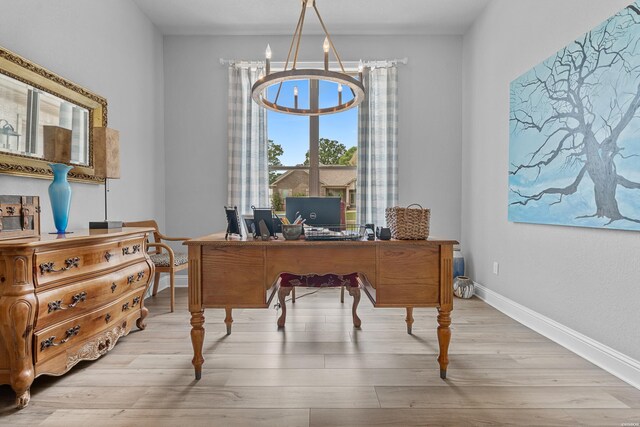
x=71, y=262
x=58, y=304
x=233, y=276
x=51, y=341
x=408, y=275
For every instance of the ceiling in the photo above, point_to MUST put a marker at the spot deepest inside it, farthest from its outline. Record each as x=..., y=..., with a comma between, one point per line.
x=277, y=17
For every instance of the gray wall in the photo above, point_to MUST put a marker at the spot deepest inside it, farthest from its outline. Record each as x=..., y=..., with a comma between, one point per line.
x=112, y=49
x=586, y=279
x=430, y=132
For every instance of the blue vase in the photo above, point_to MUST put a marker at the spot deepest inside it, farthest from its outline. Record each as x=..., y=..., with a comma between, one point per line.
x=458, y=263
x=60, y=196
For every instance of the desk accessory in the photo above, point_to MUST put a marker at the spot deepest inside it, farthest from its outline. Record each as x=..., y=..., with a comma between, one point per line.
x=264, y=230
x=106, y=143
x=407, y=223
x=19, y=217
x=335, y=232
x=234, y=227
x=266, y=215
x=369, y=233
x=292, y=231
x=383, y=233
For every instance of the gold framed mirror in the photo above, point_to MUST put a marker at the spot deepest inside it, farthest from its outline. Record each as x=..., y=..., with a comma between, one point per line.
x=32, y=97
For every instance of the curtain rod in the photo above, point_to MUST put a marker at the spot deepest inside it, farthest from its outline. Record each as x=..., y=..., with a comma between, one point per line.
x=348, y=64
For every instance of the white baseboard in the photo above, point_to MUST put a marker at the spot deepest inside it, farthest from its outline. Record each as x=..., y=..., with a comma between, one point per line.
x=612, y=361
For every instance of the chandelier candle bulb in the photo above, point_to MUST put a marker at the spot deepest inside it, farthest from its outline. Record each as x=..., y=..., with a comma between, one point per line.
x=360, y=69
x=267, y=55
x=325, y=48
x=295, y=97
x=339, y=94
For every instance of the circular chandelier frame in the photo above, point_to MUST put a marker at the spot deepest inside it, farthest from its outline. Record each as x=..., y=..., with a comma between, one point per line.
x=259, y=89
x=277, y=78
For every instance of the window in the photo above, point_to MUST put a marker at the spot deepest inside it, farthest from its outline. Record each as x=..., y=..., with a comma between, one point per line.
x=312, y=156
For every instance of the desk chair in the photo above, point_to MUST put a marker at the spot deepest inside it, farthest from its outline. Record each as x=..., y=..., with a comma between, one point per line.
x=288, y=283
x=165, y=262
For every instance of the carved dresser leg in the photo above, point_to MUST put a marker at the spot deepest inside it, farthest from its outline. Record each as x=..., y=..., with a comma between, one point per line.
x=23, y=399
x=18, y=309
x=140, y=323
x=355, y=293
x=283, y=292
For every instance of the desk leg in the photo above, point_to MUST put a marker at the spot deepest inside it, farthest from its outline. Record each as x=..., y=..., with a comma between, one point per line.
x=355, y=293
x=409, y=319
x=228, y=320
x=444, y=337
x=283, y=292
x=197, y=340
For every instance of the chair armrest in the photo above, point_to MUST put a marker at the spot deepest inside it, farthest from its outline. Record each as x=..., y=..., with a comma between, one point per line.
x=172, y=239
x=169, y=250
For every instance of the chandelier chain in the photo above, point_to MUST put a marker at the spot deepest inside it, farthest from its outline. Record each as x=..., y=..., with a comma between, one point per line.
x=324, y=28
x=293, y=39
x=304, y=13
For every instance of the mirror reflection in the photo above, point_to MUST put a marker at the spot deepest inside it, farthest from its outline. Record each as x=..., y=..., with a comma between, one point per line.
x=24, y=110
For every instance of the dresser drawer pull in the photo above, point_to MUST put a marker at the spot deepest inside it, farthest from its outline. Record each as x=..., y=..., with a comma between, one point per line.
x=113, y=287
x=136, y=300
x=125, y=306
x=77, y=298
x=130, y=279
x=107, y=318
x=108, y=256
x=49, y=267
x=131, y=250
x=140, y=275
x=50, y=342
x=81, y=297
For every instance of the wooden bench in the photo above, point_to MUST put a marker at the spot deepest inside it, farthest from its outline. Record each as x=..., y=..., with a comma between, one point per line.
x=288, y=282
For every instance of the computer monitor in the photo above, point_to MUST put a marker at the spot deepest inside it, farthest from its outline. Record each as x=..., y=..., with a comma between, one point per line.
x=315, y=210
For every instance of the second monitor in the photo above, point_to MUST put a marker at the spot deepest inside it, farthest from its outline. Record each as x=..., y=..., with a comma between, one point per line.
x=315, y=210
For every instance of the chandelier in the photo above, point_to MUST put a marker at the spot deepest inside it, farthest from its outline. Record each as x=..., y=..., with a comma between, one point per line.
x=260, y=89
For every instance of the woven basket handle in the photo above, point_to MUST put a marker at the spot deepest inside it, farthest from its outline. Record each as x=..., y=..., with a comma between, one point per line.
x=407, y=209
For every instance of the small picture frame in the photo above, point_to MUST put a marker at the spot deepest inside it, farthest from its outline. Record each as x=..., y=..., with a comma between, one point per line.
x=234, y=227
x=266, y=215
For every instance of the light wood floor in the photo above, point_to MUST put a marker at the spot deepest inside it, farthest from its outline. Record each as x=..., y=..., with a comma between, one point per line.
x=322, y=372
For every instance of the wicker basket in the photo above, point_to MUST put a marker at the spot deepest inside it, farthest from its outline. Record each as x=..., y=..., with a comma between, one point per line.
x=407, y=223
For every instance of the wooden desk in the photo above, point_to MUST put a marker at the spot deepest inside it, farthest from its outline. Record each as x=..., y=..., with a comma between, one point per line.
x=244, y=274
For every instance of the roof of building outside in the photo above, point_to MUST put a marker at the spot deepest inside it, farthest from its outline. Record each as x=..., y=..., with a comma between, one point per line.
x=333, y=177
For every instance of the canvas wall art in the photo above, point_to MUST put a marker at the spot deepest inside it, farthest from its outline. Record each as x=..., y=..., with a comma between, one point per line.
x=574, y=146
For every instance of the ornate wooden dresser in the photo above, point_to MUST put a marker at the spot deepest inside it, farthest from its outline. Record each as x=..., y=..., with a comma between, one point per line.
x=68, y=298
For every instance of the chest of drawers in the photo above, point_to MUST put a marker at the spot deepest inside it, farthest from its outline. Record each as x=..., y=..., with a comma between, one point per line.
x=63, y=300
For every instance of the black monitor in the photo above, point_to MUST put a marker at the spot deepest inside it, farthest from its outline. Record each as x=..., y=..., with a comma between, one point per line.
x=315, y=210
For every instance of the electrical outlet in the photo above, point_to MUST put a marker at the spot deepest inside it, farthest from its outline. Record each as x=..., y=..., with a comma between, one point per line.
x=496, y=268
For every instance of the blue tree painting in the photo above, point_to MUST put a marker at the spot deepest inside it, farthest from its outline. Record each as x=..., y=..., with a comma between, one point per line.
x=574, y=147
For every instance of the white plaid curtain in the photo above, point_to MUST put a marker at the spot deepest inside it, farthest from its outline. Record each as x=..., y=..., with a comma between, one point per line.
x=247, y=139
x=377, y=185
